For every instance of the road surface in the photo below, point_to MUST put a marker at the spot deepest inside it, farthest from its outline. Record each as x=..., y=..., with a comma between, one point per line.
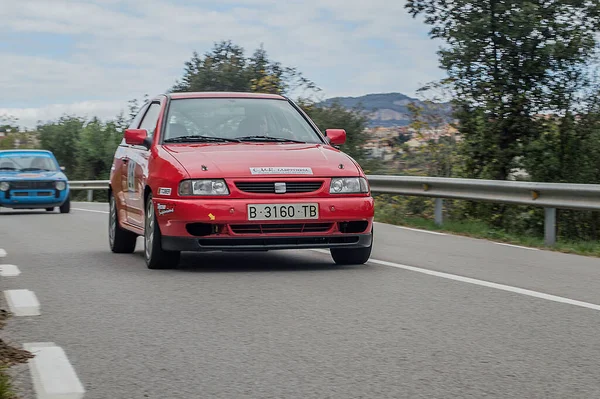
x=439, y=317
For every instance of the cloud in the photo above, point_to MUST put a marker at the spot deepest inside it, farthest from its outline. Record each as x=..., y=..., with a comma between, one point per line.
x=122, y=49
x=29, y=117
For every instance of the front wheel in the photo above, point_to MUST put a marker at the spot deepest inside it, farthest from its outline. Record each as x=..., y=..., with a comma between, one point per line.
x=352, y=256
x=66, y=207
x=156, y=257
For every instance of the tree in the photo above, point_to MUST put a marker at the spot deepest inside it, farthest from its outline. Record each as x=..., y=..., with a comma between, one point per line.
x=507, y=61
x=441, y=153
x=354, y=121
x=225, y=68
x=62, y=138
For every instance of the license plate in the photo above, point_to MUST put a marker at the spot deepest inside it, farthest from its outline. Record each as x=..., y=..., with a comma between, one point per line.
x=283, y=211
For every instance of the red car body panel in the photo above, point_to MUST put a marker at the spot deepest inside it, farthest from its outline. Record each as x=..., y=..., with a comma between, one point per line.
x=159, y=169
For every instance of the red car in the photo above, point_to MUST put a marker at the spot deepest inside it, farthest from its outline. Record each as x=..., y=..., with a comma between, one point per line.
x=235, y=172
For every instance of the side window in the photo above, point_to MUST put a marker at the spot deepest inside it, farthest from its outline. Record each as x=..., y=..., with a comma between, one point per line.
x=136, y=121
x=151, y=118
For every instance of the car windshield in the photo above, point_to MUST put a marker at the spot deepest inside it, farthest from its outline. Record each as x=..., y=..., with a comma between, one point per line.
x=24, y=163
x=237, y=119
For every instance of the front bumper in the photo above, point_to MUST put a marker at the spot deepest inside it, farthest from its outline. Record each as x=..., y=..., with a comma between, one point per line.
x=266, y=243
x=222, y=224
x=33, y=199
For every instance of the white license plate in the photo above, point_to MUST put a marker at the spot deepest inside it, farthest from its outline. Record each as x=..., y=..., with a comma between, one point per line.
x=283, y=211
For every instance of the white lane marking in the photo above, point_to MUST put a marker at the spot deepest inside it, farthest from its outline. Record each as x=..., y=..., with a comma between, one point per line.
x=2, y=253
x=421, y=231
x=9, y=271
x=482, y=283
x=53, y=375
x=516, y=246
x=89, y=210
x=22, y=302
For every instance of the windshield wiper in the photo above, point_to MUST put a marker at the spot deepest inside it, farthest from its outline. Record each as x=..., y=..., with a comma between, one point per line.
x=34, y=169
x=269, y=138
x=8, y=168
x=200, y=139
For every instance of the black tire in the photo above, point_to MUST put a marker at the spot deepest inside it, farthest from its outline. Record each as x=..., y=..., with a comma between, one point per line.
x=66, y=207
x=155, y=256
x=352, y=256
x=121, y=241
x=49, y=209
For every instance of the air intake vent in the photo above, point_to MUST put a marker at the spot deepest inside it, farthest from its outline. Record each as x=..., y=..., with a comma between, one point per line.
x=280, y=228
x=291, y=187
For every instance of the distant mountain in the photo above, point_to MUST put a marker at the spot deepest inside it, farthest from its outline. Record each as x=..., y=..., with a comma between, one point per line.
x=385, y=109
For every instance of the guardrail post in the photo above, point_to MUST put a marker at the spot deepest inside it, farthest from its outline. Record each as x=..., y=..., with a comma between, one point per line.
x=90, y=195
x=439, y=207
x=550, y=226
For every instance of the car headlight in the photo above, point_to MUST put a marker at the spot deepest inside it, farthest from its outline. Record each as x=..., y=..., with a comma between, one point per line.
x=4, y=186
x=60, y=185
x=348, y=185
x=203, y=187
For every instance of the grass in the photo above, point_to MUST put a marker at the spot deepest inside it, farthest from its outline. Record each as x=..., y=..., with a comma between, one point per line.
x=6, y=390
x=478, y=229
x=9, y=356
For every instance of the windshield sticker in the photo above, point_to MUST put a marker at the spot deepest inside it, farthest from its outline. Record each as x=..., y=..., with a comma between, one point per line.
x=281, y=171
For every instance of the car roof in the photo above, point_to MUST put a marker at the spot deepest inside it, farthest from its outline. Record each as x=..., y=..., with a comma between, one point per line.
x=224, y=94
x=26, y=151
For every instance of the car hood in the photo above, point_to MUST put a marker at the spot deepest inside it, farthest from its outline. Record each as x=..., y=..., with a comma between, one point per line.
x=12, y=175
x=236, y=160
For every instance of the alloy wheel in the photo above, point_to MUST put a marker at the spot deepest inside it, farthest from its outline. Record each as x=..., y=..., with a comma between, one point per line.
x=112, y=222
x=149, y=229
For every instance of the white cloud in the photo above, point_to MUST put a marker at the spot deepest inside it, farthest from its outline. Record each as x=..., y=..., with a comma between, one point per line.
x=125, y=48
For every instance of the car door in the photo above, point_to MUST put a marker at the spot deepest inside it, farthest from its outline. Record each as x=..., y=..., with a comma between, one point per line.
x=122, y=163
x=137, y=168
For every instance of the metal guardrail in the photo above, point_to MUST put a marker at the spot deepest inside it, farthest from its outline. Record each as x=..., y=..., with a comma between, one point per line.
x=550, y=196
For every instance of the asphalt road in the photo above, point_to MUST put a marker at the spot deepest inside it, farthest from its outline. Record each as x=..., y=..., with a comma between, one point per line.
x=293, y=325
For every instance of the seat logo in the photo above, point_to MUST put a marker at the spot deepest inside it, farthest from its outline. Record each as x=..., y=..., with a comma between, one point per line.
x=280, y=188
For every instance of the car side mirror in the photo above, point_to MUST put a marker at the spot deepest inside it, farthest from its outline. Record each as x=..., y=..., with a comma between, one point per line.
x=336, y=136
x=137, y=137
x=63, y=168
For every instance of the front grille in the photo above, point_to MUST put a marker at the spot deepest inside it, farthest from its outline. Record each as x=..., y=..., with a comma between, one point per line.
x=44, y=193
x=31, y=185
x=269, y=187
x=280, y=228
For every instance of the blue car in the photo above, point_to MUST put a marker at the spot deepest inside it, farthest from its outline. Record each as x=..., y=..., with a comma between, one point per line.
x=32, y=179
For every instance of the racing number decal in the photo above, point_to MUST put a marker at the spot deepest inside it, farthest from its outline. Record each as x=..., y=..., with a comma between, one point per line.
x=131, y=176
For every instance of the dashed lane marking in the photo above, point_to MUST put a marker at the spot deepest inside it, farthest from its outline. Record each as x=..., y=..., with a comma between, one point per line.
x=22, y=302
x=9, y=271
x=52, y=373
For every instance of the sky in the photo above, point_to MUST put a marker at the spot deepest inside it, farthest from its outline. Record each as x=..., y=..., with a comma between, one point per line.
x=89, y=57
